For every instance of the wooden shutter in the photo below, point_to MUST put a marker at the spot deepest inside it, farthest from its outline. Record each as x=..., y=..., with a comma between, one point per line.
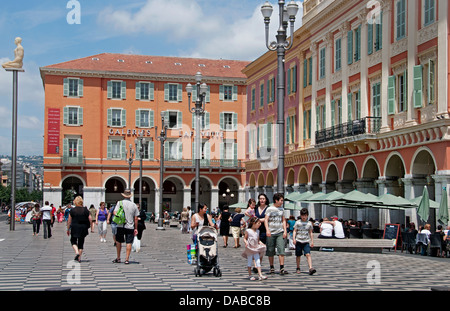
x=123, y=92
x=66, y=115
x=350, y=47
x=418, y=86
x=138, y=90
x=80, y=87
x=80, y=116
x=370, y=37
x=138, y=118
x=391, y=95
x=109, y=89
x=109, y=149
x=66, y=87
x=235, y=93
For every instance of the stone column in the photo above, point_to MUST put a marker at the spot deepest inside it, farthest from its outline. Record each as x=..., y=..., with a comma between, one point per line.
x=187, y=196
x=412, y=51
x=385, y=65
x=443, y=46
x=313, y=49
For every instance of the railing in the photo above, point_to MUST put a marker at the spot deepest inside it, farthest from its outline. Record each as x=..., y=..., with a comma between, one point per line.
x=368, y=125
x=215, y=163
x=77, y=161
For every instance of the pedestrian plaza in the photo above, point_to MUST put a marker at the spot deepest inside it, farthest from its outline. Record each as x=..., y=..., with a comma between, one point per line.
x=29, y=263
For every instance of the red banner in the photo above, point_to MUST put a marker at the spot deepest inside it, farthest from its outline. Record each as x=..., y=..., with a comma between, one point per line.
x=53, y=130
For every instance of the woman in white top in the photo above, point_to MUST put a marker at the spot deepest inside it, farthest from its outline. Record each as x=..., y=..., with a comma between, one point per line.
x=326, y=229
x=199, y=220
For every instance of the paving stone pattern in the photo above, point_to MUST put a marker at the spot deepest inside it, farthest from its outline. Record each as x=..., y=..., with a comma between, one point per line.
x=33, y=264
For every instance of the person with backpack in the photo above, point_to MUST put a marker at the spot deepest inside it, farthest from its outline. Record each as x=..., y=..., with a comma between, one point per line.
x=126, y=216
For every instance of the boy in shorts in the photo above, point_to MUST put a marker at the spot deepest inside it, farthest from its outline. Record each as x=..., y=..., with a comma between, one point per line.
x=303, y=240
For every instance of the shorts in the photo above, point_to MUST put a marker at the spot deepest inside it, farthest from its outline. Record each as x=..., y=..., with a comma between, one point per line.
x=114, y=228
x=236, y=231
x=125, y=235
x=302, y=248
x=275, y=241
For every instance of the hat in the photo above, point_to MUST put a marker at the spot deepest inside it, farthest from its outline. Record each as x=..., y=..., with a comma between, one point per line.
x=127, y=193
x=334, y=217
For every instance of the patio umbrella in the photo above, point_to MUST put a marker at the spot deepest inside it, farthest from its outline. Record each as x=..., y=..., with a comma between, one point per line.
x=356, y=196
x=289, y=206
x=239, y=204
x=314, y=198
x=297, y=196
x=443, y=208
x=390, y=201
x=424, y=206
x=416, y=202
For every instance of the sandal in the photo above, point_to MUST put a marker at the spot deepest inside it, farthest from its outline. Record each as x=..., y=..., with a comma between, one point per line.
x=252, y=278
x=312, y=271
x=262, y=277
x=283, y=272
x=117, y=260
x=126, y=262
x=272, y=271
x=298, y=270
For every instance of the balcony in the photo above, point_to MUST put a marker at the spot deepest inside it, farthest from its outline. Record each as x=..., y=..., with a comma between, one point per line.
x=73, y=161
x=205, y=163
x=368, y=125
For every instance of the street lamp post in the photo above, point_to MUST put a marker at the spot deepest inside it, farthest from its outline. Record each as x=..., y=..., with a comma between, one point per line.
x=286, y=13
x=162, y=138
x=139, y=143
x=130, y=162
x=198, y=110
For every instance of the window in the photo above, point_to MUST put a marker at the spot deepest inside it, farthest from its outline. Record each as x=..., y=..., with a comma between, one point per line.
x=148, y=150
x=292, y=80
x=173, y=150
x=145, y=91
x=72, y=150
x=73, y=87
x=116, y=117
x=204, y=121
x=431, y=92
x=322, y=63
x=354, y=106
x=205, y=152
x=337, y=54
x=375, y=33
x=116, y=149
x=401, y=19
x=376, y=100
x=228, y=121
x=429, y=12
x=290, y=130
x=271, y=91
x=261, y=95
x=354, y=45
x=228, y=92
x=117, y=90
x=401, y=87
x=144, y=118
x=73, y=143
x=307, y=124
x=320, y=117
x=173, y=92
x=73, y=116
x=336, y=112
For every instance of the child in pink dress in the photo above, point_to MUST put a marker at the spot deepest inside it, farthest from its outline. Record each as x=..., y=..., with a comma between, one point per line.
x=254, y=248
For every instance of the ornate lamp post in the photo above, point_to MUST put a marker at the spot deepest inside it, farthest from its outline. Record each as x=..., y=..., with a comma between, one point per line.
x=162, y=138
x=130, y=162
x=286, y=13
x=197, y=111
x=139, y=143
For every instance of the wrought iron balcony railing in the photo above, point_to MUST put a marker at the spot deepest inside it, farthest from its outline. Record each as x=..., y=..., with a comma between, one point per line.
x=367, y=125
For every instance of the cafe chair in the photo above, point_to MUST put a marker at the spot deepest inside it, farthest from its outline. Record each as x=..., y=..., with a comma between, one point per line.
x=408, y=241
x=422, y=242
x=355, y=233
x=367, y=233
x=436, y=240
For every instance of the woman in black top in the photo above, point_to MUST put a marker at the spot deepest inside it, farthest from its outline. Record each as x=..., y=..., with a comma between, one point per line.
x=260, y=212
x=78, y=225
x=225, y=224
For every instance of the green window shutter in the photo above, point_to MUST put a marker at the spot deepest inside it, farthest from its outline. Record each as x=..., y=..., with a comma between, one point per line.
x=391, y=95
x=305, y=73
x=269, y=134
x=166, y=92
x=358, y=106
x=358, y=44
x=272, y=97
x=180, y=151
x=235, y=92
x=179, y=119
x=294, y=79
x=235, y=121
x=109, y=150
x=65, y=115
x=65, y=149
x=349, y=106
x=124, y=118
x=333, y=112
x=80, y=88
x=151, y=149
x=138, y=148
x=66, y=87
x=221, y=120
x=123, y=147
x=288, y=132
x=324, y=118
x=379, y=33
x=123, y=94
x=166, y=150
x=109, y=117
x=310, y=71
x=235, y=149
x=109, y=89
x=405, y=89
x=151, y=118
x=304, y=124
x=370, y=37
x=80, y=116
x=221, y=92
x=138, y=90
x=207, y=150
x=180, y=93
x=152, y=91
x=317, y=118
x=261, y=95
x=207, y=121
x=431, y=81
x=309, y=124
x=288, y=81
x=80, y=150
x=138, y=118
x=208, y=95
x=418, y=86
x=350, y=47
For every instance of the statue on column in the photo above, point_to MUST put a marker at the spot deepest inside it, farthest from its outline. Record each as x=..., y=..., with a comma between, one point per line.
x=18, y=56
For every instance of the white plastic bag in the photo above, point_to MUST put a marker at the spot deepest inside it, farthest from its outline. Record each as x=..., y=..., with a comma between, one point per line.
x=136, y=247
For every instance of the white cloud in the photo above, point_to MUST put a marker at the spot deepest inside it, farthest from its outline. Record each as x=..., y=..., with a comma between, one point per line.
x=197, y=32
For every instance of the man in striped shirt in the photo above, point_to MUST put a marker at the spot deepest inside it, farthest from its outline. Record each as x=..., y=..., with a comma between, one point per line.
x=276, y=232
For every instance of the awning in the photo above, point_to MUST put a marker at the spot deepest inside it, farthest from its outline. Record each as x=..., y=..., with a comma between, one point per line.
x=299, y=197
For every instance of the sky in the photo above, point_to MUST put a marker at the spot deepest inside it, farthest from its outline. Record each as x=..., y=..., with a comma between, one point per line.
x=52, y=32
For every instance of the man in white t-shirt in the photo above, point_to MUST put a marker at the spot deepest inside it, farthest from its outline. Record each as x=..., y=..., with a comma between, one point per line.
x=326, y=229
x=47, y=219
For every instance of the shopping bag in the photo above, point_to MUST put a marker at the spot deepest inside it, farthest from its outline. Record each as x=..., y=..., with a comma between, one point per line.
x=136, y=247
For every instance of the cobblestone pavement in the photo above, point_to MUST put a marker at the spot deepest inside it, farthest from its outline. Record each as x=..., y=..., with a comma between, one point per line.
x=33, y=264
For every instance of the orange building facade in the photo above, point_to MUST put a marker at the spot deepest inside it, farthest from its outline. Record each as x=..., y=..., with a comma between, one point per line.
x=97, y=107
x=369, y=109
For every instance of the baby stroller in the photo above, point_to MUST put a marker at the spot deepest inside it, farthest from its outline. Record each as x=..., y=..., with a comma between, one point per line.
x=207, y=258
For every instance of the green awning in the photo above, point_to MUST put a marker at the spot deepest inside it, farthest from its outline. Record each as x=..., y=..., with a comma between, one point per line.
x=298, y=197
